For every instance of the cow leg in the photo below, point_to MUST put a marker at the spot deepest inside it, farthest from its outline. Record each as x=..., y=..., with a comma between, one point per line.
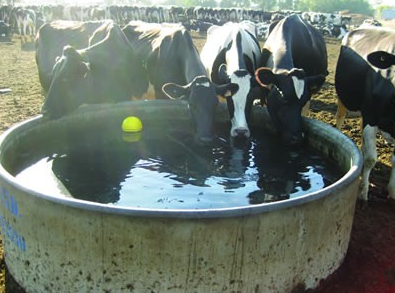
x=24, y=28
x=369, y=153
x=32, y=31
x=340, y=114
x=391, y=183
x=20, y=28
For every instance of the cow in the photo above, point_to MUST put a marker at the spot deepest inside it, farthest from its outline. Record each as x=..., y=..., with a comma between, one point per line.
x=25, y=21
x=5, y=13
x=47, y=13
x=53, y=36
x=98, y=13
x=338, y=31
x=231, y=54
x=104, y=72
x=75, y=12
x=294, y=60
x=176, y=71
x=365, y=82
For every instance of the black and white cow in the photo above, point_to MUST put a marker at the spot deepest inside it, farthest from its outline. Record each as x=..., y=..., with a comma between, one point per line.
x=106, y=71
x=25, y=22
x=365, y=82
x=176, y=71
x=53, y=36
x=295, y=66
x=231, y=54
x=338, y=31
x=5, y=13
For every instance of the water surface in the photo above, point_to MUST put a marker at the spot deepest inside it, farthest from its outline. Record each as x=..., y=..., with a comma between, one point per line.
x=166, y=169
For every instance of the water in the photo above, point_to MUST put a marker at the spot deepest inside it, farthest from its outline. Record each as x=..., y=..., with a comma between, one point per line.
x=166, y=169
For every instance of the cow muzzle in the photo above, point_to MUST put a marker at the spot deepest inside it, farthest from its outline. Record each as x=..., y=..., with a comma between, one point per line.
x=240, y=132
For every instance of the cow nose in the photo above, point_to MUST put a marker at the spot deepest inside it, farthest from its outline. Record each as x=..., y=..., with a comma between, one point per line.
x=241, y=132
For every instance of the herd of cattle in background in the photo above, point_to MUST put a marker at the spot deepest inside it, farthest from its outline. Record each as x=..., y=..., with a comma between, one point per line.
x=149, y=52
x=27, y=19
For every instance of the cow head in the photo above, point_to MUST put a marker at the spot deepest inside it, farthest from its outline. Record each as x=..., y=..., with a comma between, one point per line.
x=285, y=94
x=68, y=89
x=201, y=95
x=239, y=104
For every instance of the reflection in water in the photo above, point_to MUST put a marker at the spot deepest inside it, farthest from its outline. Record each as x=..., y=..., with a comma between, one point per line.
x=285, y=173
x=165, y=169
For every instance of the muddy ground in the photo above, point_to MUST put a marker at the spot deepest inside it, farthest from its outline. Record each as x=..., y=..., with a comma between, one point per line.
x=370, y=263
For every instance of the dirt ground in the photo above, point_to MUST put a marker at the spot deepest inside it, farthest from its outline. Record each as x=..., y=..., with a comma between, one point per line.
x=370, y=262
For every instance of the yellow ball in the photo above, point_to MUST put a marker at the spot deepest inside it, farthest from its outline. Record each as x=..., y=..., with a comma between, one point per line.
x=132, y=124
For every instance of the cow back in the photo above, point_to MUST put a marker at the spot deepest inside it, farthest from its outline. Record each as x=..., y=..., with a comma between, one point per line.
x=52, y=37
x=168, y=52
x=293, y=43
x=117, y=73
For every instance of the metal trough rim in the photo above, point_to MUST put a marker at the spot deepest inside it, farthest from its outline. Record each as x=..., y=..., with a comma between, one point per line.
x=350, y=176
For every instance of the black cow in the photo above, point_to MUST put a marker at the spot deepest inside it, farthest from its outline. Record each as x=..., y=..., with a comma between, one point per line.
x=176, y=71
x=295, y=66
x=363, y=87
x=53, y=36
x=106, y=71
x=231, y=54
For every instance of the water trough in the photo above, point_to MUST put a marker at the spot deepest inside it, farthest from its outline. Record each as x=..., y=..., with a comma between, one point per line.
x=64, y=244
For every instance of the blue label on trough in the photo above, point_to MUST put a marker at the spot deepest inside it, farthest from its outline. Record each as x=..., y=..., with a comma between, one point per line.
x=8, y=230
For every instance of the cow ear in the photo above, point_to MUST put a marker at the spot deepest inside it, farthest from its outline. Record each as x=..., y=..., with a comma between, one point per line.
x=381, y=59
x=175, y=91
x=223, y=74
x=226, y=90
x=265, y=76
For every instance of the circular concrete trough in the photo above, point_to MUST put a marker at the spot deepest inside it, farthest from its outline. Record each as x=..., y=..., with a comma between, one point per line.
x=61, y=244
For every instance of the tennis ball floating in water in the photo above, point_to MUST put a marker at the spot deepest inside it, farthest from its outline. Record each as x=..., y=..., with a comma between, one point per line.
x=132, y=124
